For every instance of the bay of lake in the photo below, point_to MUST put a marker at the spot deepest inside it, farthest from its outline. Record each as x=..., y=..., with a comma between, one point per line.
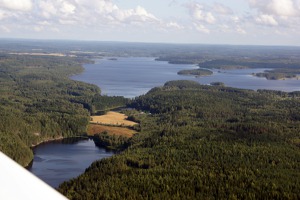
x=58, y=161
x=134, y=76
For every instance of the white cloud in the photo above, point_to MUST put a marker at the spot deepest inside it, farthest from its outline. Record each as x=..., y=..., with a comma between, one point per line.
x=139, y=14
x=2, y=14
x=282, y=7
x=266, y=20
x=283, y=14
x=67, y=8
x=47, y=9
x=67, y=21
x=19, y=5
x=102, y=6
x=201, y=28
x=278, y=32
x=221, y=9
x=44, y=23
x=5, y=29
x=215, y=17
x=224, y=28
x=235, y=19
x=298, y=4
x=174, y=25
x=38, y=28
x=198, y=13
x=209, y=18
x=276, y=7
x=240, y=30
x=65, y=16
x=83, y=12
x=100, y=17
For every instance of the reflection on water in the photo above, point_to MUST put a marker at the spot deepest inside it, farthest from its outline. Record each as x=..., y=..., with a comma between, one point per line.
x=58, y=161
x=131, y=76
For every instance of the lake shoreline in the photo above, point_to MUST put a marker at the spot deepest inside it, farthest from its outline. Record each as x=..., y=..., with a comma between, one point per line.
x=27, y=166
x=106, y=75
x=61, y=160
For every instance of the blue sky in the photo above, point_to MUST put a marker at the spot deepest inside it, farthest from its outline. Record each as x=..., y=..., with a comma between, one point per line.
x=257, y=22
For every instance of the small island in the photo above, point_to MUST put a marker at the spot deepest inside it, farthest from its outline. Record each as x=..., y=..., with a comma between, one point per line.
x=279, y=74
x=217, y=84
x=233, y=67
x=195, y=72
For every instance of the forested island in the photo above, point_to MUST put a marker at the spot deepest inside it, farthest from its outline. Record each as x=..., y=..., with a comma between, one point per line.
x=195, y=72
x=217, y=84
x=191, y=141
x=279, y=74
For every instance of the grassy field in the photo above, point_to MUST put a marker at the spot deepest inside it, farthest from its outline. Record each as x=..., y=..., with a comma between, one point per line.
x=113, y=123
x=112, y=118
x=111, y=130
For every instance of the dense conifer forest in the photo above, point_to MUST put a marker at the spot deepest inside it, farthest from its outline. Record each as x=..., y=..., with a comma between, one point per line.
x=203, y=142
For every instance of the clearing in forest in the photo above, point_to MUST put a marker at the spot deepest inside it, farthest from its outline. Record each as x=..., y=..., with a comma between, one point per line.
x=112, y=118
x=111, y=130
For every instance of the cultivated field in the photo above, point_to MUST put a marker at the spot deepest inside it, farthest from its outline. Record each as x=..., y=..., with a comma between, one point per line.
x=112, y=118
x=111, y=130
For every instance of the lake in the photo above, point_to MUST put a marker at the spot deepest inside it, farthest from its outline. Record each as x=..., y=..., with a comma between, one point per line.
x=134, y=76
x=58, y=161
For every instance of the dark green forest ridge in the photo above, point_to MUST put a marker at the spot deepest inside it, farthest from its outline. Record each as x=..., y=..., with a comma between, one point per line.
x=38, y=102
x=203, y=142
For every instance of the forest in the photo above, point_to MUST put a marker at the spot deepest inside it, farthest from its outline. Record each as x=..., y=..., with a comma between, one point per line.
x=38, y=102
x=203, y=142
x=193, y=142
x=278, y=74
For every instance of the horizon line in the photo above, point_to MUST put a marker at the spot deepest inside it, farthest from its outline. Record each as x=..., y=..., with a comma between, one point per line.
x=145, y=42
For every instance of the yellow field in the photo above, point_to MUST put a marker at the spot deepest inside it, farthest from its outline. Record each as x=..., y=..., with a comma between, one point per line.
x=96, y=128
x=112, y=118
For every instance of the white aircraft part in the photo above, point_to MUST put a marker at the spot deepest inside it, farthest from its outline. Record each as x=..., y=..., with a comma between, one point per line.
x=18, y=183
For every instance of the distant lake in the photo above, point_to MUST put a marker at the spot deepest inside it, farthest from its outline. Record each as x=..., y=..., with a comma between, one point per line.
x=134, y=76
x=59, y=161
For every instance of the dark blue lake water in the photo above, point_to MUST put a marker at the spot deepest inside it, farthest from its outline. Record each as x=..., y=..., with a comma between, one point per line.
x=59, y=161
x=132, y=76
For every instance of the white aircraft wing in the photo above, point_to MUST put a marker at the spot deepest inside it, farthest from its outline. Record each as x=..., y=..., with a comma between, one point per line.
x=18, y=183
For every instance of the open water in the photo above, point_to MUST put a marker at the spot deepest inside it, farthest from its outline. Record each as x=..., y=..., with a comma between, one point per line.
x=134, y=76
x=58, y=161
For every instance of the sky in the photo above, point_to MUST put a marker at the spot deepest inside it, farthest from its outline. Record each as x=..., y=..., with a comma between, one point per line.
x=241, y=22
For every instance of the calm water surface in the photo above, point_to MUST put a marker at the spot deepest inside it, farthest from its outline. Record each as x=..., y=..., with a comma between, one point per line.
x=131, y=76
x=59, y=161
